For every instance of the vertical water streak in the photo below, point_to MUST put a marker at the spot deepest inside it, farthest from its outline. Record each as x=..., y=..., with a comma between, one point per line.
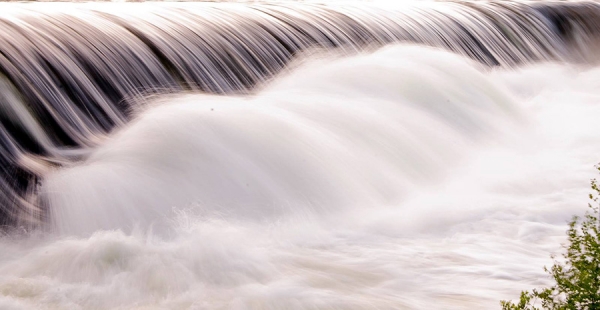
x=74, y=71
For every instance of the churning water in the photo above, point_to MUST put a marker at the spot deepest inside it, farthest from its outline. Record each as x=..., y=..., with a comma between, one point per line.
x=173, y=158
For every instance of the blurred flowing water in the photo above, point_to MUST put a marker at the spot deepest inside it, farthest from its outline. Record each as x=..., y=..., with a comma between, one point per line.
x=291, y=156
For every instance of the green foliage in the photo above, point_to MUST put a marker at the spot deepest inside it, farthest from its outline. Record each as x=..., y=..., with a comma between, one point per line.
x=577, y=277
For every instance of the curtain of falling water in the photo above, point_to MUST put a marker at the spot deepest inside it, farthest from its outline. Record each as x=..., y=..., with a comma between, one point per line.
x=67, y=75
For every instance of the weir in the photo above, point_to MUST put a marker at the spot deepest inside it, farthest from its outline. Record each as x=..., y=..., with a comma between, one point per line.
x=70, y=78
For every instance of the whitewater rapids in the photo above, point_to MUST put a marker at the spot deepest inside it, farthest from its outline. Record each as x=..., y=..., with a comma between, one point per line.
x=408, y=178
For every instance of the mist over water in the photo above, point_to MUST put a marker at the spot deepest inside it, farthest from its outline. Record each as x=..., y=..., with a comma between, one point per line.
x=404, y=178
x=353, y=133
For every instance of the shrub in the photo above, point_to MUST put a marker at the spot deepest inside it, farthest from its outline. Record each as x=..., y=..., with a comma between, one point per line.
x=577, y=277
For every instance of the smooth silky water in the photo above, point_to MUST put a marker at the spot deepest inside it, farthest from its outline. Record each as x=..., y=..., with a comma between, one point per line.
x=401, y=177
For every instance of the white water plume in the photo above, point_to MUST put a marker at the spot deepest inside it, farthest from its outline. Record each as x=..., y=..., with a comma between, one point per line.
x=408, y=178
x=70, y=70
x=361, y=131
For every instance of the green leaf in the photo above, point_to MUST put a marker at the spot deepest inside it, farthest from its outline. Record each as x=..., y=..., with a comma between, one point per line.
x=577, y=279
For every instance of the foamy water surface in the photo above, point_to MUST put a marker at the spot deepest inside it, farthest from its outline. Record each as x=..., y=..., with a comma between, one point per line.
x=408, y=178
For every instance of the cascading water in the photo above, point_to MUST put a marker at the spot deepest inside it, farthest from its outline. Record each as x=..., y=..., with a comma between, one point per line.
x=305, y=144
x=291, y=156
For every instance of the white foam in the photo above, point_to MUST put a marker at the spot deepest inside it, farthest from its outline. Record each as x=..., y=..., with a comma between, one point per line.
x=360, y=131
x=349, y=184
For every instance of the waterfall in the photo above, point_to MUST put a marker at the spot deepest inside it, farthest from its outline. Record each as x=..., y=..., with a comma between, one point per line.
x=70, y=76
x=291, y=155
